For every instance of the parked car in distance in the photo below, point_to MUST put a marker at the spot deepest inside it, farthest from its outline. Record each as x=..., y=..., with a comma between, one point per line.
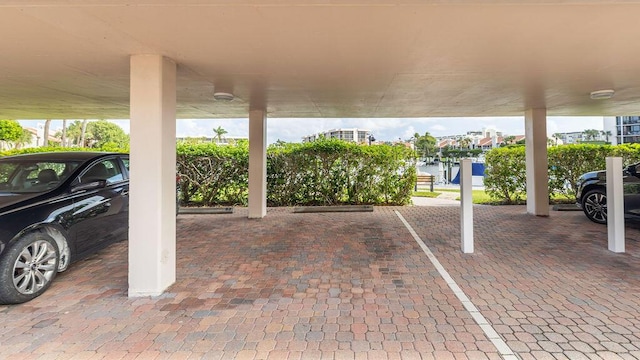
x=591, y=193
x=55, y=209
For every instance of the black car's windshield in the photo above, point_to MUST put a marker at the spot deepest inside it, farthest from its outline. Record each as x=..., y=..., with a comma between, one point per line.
x=21, y=176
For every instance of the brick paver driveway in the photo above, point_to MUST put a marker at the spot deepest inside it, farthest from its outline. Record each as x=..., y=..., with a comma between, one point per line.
x=350, y=286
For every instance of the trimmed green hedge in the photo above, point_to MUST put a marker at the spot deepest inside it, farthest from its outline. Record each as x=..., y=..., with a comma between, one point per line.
x=325, y=172
x=505, y=174
x=332, y=172
x=213, y=174
x=58, y=148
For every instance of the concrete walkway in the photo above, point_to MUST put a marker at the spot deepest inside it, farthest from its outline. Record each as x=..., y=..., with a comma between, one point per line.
x=444, y=199
x=351, y=286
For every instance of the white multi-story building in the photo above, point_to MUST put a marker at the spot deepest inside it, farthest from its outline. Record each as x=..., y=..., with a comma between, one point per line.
x=622, y=129
x=352, y=135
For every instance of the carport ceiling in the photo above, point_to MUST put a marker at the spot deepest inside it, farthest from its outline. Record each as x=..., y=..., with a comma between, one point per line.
x=324, y=58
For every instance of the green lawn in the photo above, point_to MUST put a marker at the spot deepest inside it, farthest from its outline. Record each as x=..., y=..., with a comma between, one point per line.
x=479, y=196
x=427, y=194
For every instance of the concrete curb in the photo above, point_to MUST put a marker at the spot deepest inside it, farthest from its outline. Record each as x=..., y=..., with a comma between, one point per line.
x=342, y=208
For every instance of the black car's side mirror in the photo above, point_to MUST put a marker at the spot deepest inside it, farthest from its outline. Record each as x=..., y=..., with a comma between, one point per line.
x=98, y=184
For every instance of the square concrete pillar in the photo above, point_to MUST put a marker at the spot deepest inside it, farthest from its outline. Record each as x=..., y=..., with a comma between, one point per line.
x=257, y=164
x=615, y=205
x=152, y=204
x=466, y=206
x=535, y=131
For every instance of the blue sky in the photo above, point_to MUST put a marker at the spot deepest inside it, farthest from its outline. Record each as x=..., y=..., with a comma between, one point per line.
x=292, y=130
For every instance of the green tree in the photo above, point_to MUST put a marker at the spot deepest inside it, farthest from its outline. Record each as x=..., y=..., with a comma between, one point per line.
x=590, y=134
x=606, y=134
x=508, y=140
x=465, y=143
x=74, y=132
x=24, y=139
x=425, y=145
x=10, y=131
x=103, y=133
x=219, y=131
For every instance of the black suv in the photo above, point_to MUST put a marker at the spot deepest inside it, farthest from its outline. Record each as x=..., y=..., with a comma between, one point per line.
x=591, y=194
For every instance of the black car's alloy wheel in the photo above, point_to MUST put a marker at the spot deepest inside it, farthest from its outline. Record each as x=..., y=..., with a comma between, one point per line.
x=28, y=268
x=594, y=204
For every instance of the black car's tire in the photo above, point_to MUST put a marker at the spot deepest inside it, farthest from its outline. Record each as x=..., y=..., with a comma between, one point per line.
x=594, y=205
x=27, y=268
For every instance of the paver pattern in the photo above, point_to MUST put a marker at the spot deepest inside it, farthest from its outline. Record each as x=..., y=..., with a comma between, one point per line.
x=549, y=286
x=348, y=286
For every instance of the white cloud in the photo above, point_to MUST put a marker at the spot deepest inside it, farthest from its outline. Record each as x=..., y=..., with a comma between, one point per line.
x=438, y=127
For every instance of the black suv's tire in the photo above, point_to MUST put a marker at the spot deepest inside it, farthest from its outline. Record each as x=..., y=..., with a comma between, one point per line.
x=27, y=268
x=594, y=205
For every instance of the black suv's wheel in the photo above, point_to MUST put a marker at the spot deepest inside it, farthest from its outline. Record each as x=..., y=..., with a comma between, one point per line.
x=27, y=268
x=594, y=205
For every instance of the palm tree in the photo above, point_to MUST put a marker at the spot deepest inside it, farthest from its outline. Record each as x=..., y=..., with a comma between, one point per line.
x=83, y=132
x=590, y=134
x=465, y=143
x=45, y=136
x=24, y=139
x=64, y=132
x=219, y=131
x=606, y=133
x=509, y=139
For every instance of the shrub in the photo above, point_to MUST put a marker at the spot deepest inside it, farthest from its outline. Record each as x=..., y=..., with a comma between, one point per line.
x=505, y=175
x=212, y=174
x=330, y=171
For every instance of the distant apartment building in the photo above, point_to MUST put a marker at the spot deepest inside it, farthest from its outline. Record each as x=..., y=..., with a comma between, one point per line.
x=351, y=135
x=622, y=129
x=485, y=139
x=574, y=137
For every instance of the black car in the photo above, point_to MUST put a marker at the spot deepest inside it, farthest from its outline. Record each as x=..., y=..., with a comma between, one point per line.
x=55, y=209
x=592, y=194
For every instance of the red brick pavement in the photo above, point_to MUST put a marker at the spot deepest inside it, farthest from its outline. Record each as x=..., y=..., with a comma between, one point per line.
x=348, y=286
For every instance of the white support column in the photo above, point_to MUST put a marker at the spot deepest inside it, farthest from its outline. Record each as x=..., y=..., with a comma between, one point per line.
x=536, y=162
x=257, y=164
x=615, y=205
x=466, y=206
x=152, y=205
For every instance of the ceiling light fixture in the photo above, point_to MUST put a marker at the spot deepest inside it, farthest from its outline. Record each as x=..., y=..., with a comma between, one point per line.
x=223, y=96
x=602, y=94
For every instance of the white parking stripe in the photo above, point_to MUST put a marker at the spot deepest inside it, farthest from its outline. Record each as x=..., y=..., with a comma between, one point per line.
x=503, y=349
